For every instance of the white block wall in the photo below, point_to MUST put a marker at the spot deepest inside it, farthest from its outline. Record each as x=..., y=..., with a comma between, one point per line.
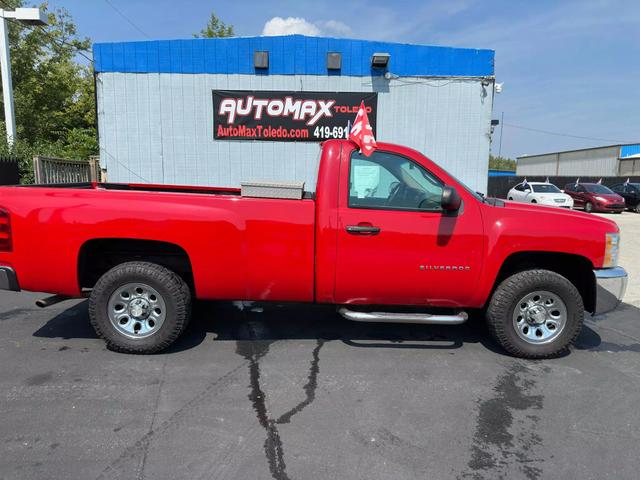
x=158, y=127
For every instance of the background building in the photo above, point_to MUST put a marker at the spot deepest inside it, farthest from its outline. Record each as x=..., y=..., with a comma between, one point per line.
x=176, y=111
x=608, y=161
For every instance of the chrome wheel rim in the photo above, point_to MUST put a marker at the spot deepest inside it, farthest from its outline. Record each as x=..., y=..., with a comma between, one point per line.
x=539, y=317
x=136, y=310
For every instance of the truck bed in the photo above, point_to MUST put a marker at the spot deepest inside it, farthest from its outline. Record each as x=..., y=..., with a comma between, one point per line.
x=238, y=247
x=146, y=187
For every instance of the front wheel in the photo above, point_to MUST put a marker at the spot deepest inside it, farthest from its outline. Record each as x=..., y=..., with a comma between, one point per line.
x=535, y=314
x=588, y=207
x=139, y=307
x=637, y=208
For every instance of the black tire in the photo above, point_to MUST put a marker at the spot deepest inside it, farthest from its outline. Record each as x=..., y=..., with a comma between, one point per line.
x=174, y=293
x=534, y=201
x=510, y=198
x=588, y=207
x=637, y=208
x=506, y=299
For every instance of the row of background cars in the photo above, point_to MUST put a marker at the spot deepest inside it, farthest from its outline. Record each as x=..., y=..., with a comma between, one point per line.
x=592, y=197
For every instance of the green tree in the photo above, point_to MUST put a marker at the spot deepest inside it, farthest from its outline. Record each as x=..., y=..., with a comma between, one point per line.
x=215, y=28
x=501, y=163
x=53, y=90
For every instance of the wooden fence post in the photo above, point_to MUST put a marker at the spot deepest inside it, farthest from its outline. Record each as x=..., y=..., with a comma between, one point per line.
x=37, y=169
x=94, y=169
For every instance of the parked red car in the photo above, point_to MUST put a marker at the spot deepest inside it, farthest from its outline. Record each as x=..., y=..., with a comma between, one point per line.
x=594, y=197
x=380, y=234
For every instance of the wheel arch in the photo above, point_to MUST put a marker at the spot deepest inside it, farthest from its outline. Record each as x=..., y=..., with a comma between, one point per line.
x=99, y=255
x=575, y=268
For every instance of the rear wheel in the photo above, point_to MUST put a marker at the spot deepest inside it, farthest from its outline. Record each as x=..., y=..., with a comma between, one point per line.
x=510, y=198
x=535, y=314
x=139, y=307
x=637, y=208
x=588, y=207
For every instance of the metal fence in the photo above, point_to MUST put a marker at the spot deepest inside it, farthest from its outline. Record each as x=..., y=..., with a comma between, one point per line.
x=60, y=170
x=499, y=186
x=9, y=171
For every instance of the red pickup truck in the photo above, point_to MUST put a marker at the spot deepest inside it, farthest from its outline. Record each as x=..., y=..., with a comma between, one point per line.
x=387, y=238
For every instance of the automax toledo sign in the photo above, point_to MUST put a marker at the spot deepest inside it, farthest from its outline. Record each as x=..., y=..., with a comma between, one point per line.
x=287, y=116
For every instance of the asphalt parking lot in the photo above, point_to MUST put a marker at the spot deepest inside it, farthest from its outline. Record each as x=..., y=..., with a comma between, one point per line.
x=300, y=393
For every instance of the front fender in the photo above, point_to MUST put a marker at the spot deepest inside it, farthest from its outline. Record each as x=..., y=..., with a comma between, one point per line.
x=517, y=228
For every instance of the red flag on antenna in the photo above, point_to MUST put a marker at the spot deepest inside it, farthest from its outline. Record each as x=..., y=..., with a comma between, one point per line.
x=361, y=132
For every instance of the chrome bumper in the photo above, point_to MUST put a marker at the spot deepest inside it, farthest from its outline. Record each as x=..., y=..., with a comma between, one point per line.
x=611, y=283
x=8, y=279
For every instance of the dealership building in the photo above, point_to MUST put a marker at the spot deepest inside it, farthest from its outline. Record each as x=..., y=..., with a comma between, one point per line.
x=222, y=111
x=607, y=161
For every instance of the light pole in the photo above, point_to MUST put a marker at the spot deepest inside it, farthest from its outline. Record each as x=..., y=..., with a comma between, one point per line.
x=28, y=16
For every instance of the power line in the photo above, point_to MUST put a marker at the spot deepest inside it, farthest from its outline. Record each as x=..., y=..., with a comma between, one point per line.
x=123, y=165
x=108, y=2
x=79, y=51
x=558, y=134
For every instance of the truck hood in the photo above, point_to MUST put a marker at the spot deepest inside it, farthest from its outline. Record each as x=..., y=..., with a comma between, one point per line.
x=530, y=211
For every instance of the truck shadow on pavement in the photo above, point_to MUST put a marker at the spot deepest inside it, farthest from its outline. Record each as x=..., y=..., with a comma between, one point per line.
x=227, y=321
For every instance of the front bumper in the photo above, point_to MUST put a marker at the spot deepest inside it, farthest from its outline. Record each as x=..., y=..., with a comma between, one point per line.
x=611, y=283
x=609, y=207
x=8, y=279
x=552, y=203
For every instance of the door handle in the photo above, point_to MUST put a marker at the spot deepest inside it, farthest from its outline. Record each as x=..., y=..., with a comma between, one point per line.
x=363, y=230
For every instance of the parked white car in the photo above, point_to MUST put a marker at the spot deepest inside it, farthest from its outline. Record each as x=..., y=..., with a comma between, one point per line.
x=541, y=193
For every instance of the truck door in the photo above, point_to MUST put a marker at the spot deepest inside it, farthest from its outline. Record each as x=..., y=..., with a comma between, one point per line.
x=395, y=244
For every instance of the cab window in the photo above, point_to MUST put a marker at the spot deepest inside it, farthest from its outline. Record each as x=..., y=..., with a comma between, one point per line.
x=392, y=182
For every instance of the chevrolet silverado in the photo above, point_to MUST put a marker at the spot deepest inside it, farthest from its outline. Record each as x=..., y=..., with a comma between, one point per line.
x=389, y=237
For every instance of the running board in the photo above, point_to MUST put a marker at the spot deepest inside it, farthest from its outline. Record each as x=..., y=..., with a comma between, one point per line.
x=389, y=317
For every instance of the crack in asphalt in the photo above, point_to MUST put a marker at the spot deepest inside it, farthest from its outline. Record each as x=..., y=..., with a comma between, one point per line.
x=147, y=441
x=253, y=351
x=174, y=420
x=495, y=447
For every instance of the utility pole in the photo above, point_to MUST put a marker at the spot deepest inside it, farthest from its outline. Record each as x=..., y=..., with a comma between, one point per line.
x=28, y=16
x=501, y=130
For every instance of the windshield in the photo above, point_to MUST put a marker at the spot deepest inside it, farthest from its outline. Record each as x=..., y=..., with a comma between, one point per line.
x=595, y=188
x=546, y=188
x=477, y=195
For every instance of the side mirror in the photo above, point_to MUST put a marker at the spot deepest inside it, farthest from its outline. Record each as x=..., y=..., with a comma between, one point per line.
x=451, y=201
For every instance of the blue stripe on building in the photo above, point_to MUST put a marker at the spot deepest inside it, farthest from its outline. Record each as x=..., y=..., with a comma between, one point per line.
x=502, y=173
x=288, y=55
x=629, y=150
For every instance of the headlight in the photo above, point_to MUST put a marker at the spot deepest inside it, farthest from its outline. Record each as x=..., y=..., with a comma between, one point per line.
x=600, y=199
x=611, y=250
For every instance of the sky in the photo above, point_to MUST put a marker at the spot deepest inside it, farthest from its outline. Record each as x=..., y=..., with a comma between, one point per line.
x=569, y=68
